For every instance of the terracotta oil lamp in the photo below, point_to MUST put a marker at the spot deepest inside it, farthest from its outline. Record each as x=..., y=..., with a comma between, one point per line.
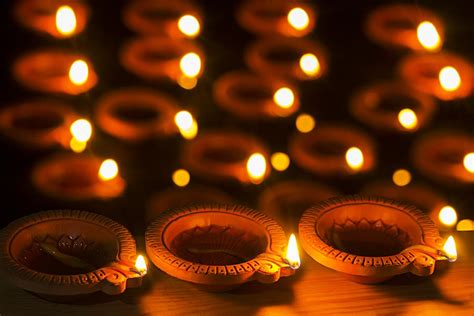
x=223, y=155
x=218, y=247
x=292, y=58
x=392, y=107
x=174, y=19
x=269, y=17
x=75, y=177
x=50, y=71
x=334, y=150
x=252, y=96
x=370, y=240
x=405, y=26
x=63, y=255
x=136, y=114
x=38, y=124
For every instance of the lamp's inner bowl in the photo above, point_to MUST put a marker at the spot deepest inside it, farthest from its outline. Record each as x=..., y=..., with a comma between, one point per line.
x=400, y=24
x=163, y=54
x=251, y=93
x=270, y=13
x=284, y=54
x=327, y=147
x=135, y=113
x=38, y=120
x=227, y=153
x=396, y=102
x=75, y=175
x=160, y=14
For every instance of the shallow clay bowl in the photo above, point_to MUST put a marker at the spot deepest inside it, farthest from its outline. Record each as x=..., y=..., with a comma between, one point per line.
x=64, y=255
x=370, y=240
x=218, y=247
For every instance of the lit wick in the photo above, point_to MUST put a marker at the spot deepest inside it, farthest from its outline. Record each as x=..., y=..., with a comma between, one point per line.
x=79, y=72
x=186, y=124
x=468, y=162
x=354, y=158
x=408, y=119
x=309, y=64
x=81, y=131
x=189, y=26
x=298, y=19
x=190, y=65
x=108, y=170
x=450, y=250
x=292, y=256
x=449, y=79
x=284, y=98
x=428, y=36
x=140, y=265
x=256, y=167
x=65, y=20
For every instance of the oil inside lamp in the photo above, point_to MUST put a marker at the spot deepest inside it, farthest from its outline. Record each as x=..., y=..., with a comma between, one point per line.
x=309, y=64
x=401, y=177
x=189, y=25
x=140, y=265
x=292, y=254
x=447, y=216
x=190, y=65
x=428, y=36
x=79, y=72
x=465, y=225
x=305, y=123
x=280, y=161
x=469, y=162
x=284, y=98
x=449, y=249
x=187, y=125
x=354, y=158
x=408, y=119
x=298, y=19
x=449, y=79
x=256, y=167
x=65, y=20
x=108, y=170
x=181, y=177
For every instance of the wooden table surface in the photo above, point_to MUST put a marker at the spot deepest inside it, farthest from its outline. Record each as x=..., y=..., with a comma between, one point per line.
x=313, y=290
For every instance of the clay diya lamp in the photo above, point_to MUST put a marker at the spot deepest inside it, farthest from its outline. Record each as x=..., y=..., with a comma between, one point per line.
x=65, y=255
x=158, y=58
x=38, y=124
x=221, y=155
x=218, y=247
x=371, y=240
x=49, y=71
x=252, y=96
x=392, y=107
x=136, y=114
x=286, y=200
x=333, y=150
x=40, y=16
x=75, y=177
x=174, y=198
x=398, y=25
x=271, y=17
x=162, y=18
x=444, y=75
x=292, y=58
x=441, y=156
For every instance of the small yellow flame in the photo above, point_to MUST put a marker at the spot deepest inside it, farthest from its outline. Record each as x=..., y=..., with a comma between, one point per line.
x=469, y=162
x=310, y=65
x=81, y=130
x=298, y=19
x=187, y=83
x=305, y=123
x=408, y=118
x=140, y=264
x=450, y=250
x=447, y=216
x=190, y=65
x=354, y=158
x=284, y=98
x=108, y=170
x=77, y=146
x=428, y=36
x=280, y=161
x=181, y=177
x=401, y=177
x=256, y=167
x=292, y=254
x=187, y=125
x=189, y=25
x=79, y=72
x=65, y=20
x=449, y=79
x=465, y=225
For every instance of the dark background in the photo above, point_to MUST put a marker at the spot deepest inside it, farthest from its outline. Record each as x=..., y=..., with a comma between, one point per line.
x=147, y=167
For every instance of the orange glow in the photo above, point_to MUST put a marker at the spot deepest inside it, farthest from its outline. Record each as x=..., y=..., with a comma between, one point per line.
x=354, y=158
x=108, y=170
x=447, y=216
x=450, y=250
x=401, y=177
x=187, y=125
x=140, y=264
x=449, y=79
x=305, y=123
x=65, y=20
x=408, y=119
x=310, y=65
x=77, y=146
x=280, y=161
x=284, y=98
x=81, y=130
x=469, y=162
x=190, y=65
x=292, y=253
x=428, y=36
x=187, y=83
x=298, y=18
x=465, y=225
x=79, y=72
x=189, y=26
x=181, y=177
x=256, y=167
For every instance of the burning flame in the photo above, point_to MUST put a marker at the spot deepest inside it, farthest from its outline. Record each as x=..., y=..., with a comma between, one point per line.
x=187, y=83
x=81, y=130
x=108, y=170
x=187, y=125
x=408, y=118
x=189, y=26
x=305, y=123
x=181, y=177
x=447, y=216
x=140, y=264
x=79, y=72
x=298, y=19
x=280, y=161
x=401, y=177
x=309, y=64
x=465, y=225
x=449, y=79
x=449, y=249
x=77, y=146
x=469, y=162
x=256, y=167
x=292, y=254
x=428, y=36
x=65, y=20
x=190, y=65
x=354, y=158
x=284, y=98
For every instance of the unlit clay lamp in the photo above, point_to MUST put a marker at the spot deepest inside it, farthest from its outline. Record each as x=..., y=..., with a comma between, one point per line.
x=63, y=255
x=219, y=247
x=370, y=240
